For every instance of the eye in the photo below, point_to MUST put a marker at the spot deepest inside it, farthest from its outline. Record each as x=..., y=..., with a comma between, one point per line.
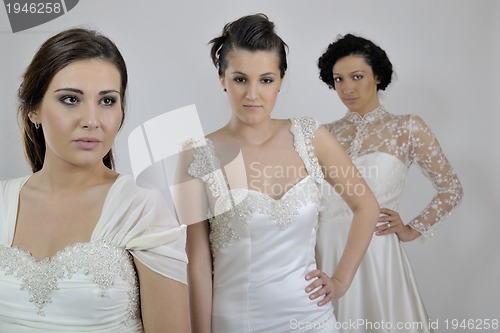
x=267, y=80
x=108, y=101
x=240, y=79
x=70, y=100
x=357, y=77
x=337, y=79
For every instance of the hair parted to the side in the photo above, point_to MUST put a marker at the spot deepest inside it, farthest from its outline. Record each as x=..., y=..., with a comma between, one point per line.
x=251, y=33
x=53, y=55
x=349, y=45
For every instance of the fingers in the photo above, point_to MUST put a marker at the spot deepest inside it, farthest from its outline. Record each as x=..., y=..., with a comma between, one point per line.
x=321, y=286
x=387, y=211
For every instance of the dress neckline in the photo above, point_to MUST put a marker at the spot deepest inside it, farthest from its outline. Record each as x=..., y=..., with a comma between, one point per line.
x=368, y=117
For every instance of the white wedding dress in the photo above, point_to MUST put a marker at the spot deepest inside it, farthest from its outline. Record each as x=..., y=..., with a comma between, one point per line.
x=384, y=294
x=263, y=247
x=89, y=287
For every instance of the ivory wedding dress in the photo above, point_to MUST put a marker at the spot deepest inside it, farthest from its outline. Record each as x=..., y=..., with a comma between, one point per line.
x=89, y=287
x=263, y=247
x=384, y=292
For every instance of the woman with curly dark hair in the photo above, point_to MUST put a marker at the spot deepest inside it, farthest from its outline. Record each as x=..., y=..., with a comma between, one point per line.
x=383, y=146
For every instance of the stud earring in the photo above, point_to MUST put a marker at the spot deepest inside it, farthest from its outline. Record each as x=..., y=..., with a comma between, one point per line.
x=225, y=90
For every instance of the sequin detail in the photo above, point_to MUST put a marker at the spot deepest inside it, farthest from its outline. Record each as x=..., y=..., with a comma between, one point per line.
x=104, y=262
x=282, y=211
x=410, y=140
x=237, y=206
x=303, y=129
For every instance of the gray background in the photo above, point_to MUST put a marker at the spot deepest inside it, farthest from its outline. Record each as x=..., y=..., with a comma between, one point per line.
x=446, y=55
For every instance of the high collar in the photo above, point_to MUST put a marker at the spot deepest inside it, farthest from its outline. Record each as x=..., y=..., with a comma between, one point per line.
x=368, y=117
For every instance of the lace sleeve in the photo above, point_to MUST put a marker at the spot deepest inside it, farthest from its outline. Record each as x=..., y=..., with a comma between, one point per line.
x=426, y=151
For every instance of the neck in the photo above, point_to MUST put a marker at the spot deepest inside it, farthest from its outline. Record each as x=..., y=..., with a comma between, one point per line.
x=371, y=108
x=253, y=134
x=68, y=178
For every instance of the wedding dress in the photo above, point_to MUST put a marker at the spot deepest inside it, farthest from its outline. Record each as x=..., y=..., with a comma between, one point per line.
x=383, y=296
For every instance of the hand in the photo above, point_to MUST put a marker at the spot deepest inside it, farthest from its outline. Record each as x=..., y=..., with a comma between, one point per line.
x=323, y=285
x=395, y=225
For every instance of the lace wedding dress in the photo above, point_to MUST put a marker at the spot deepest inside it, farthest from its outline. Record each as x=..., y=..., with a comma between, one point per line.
x=89, y=287
x=263, y=247
x=384, y=292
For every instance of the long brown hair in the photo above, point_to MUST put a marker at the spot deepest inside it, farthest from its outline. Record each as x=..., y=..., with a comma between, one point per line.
x=55, y=54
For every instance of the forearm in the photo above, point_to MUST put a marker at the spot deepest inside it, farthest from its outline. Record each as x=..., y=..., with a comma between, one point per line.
x=360, y=233
x=200, y=298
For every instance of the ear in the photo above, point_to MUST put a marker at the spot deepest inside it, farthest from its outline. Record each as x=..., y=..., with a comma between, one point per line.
x=34, y=116
x=222, y=81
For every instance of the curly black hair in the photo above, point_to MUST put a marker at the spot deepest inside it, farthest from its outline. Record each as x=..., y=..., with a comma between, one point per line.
x=253, y=33
x=349, y=45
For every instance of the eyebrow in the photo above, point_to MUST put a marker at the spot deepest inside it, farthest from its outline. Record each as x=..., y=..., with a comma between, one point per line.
x=265, y=74
x=356, y=71
x=78, y=91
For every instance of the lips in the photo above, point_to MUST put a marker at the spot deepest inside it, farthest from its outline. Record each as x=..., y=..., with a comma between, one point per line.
x=87, y=143
x=252, y=107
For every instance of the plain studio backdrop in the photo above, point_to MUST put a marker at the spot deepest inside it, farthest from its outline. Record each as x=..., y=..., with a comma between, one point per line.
x=446, y=57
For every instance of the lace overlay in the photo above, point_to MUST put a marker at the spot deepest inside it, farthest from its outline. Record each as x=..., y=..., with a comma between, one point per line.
x=102, y=261
x=240, y=204
x=410, y=140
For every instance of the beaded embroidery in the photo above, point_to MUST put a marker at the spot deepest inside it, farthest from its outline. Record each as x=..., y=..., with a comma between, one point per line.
x=282, y=211
x=104, y=262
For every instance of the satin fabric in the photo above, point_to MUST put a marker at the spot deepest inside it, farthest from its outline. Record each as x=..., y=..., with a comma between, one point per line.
x=383, y=296
x=259, y=279
x=134, y=222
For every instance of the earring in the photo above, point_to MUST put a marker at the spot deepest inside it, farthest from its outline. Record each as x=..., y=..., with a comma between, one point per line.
x=225, y=90
x=37, y=125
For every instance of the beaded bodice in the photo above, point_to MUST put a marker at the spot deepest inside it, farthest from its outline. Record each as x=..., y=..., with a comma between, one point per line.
x=408, y=139
x=233, y=208
x=99, y=263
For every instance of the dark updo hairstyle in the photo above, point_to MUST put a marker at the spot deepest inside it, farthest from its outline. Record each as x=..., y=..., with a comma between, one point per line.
x=56, y=53
x=350, y=45
x=251, y=33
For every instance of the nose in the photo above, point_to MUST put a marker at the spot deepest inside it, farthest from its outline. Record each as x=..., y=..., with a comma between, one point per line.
x=347, y=87
x=89, y=119
x=252, y=92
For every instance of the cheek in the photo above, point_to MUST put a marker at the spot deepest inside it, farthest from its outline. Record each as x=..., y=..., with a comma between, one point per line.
x=114, y=121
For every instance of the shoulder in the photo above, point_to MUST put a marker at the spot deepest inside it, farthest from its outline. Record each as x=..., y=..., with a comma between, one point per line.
x=13, y=185
x=306, y=122
x=127, y=192
x=307, y=125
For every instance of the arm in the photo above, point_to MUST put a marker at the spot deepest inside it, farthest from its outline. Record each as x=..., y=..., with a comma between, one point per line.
x=348, y=182
x=200, y=277
x=191, y=206
x=164, y=305
x=427, y=152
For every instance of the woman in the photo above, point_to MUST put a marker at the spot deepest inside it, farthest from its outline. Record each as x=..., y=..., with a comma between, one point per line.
x=82, y=248
x=382, y=146
x=260, y=179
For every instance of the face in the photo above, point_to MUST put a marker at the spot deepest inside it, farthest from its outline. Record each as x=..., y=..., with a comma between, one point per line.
x=355, y=84
x=252, y=81
x=80, y=113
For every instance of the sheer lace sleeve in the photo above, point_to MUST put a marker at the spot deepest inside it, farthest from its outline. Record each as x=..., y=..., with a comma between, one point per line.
x=426, y=151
